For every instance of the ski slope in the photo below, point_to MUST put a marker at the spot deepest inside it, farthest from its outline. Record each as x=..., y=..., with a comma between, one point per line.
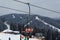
x=4, y=36
x=53, y=27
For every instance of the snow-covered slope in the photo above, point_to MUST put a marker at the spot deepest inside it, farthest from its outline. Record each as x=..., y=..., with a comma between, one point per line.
x=13, y=37
x=8, y=27
x=37, y=18
x=28, y=23
x=53, y=27
x=4, y=36
x=22, y=18
x=13, y=16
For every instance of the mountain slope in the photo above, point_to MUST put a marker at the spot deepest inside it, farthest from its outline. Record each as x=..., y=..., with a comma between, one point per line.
x=34, y=21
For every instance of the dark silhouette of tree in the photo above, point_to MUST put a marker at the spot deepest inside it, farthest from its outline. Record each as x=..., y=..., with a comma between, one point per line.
x=20, y=27
x=2, y=25
x=13, y=26
x=3, y=19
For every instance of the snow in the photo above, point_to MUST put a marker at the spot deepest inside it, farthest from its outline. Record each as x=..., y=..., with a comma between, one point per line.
x=4, y=36
x=25, y=25
x=28, y=23
x=13, y=16
x=59, y=30
x=37, y=18
x=16, y=31
x=34, y=39
x=8, y=26
x=8, y=29
x=21, y=17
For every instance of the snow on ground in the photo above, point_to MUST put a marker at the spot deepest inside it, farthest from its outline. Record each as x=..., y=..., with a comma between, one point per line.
x=28, y=23
x=13, y=16
x=7, y=30
x=4, y=36
x=8, y=26
x=37, y=18
x=21, y=17
x=34, y=39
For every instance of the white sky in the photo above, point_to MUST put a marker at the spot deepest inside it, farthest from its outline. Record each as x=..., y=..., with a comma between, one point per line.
x=50, y=4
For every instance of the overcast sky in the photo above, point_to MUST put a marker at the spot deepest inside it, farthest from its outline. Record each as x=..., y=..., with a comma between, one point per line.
x=49, y=4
